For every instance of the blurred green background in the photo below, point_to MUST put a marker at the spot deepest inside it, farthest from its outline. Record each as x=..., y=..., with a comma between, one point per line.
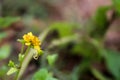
x=81, y=38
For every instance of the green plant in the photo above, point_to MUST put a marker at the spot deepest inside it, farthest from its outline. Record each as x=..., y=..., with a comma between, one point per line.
x=32, y=42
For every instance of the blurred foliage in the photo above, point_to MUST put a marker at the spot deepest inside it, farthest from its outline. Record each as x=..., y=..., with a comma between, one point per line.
x=72, y=40
x=99, y=22
x=7, y=21
x=100, y=17
x=11, y=71
x=43, y=74
x=64, y=29
x=3, y=70
x=5, y=51
x=112, y=62
x=98, y=75
x=116, y=5
x=51, y=59
x=79, y=49
x=3, y=35
x=24, y=7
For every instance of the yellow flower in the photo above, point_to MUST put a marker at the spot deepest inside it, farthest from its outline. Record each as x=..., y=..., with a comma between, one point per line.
x=39, y=52
x=38, y=49
x=31, y=40
x=36, y=41
x=28, y=38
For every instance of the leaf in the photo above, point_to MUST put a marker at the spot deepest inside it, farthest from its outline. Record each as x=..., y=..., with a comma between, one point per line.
x=21, y=57
x=64, y=29
x=51, y=59
x=116, y=4
x=86, y=49
x=41, y=75
x=12, y=70
x=5, y=51
x=21, y=40
x=7, y=21
x=112, y=59
x=100, y=17
x=98, y=75
x=11, y=64
x=112, y=62
x=3, y=70
x=51, y=78
x=99, y=22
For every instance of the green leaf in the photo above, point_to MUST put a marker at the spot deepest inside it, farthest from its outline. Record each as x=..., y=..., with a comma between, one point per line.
x=51, y=78
x=21, y=40
x=5, y=51
x=3, y=70
x=116, y=4
x=21, y=57
x=51, y=59
x=41, y=75
x=11, y=64
x=100, y=17
x=113, y=64
x=12, y=70
x=86, y=49
x=98, y=75
x=112, y=59
x=7, y=21
x=99, y=22
x=64, y=29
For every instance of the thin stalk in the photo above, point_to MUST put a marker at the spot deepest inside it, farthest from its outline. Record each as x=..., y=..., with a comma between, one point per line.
x=27, y=50
x=20, y=72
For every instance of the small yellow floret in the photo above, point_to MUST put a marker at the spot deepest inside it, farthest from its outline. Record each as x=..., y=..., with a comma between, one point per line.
x=28, y=38
x=38, y=49
x=36, y=41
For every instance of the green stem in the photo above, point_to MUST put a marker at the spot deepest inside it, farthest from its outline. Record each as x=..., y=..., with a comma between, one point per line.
x=27, y=50
x=20, y=72
x=98, y=75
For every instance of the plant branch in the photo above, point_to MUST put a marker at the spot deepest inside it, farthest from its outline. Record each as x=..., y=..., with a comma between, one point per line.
x=29, y=55
x=22, y=65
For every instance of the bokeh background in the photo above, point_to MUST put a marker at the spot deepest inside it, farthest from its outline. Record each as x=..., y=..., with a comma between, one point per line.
x=83, y=34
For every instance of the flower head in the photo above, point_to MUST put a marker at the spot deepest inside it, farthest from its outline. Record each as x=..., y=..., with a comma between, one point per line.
x=28, y=38
x=32, y=40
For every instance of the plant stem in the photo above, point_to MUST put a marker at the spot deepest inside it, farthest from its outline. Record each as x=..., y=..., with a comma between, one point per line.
x=20, y=72
x=29, y=55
